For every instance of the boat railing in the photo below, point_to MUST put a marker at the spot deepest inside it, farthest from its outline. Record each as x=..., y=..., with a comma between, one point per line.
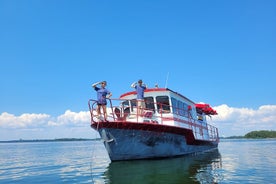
x=119, y=111
x=125, y=110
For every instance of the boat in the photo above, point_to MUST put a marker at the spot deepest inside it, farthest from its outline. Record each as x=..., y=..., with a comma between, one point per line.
x=170, y=125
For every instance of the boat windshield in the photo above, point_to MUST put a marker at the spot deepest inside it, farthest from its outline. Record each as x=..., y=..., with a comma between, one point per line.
x=163, y=104
x=149, y=103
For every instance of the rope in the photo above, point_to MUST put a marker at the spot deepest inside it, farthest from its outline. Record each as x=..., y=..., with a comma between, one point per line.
x=93, y=154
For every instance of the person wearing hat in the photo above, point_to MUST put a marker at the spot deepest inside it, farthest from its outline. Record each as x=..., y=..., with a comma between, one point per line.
x=140, y=88
x=102, y=95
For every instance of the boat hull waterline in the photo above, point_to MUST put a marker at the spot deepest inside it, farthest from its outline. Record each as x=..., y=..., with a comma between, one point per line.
x=131, y=141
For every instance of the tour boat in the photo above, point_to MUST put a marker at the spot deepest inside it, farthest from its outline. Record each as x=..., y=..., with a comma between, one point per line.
x=170, y=125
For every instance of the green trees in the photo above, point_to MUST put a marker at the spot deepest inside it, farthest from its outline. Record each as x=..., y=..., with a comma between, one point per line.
x=261, y=134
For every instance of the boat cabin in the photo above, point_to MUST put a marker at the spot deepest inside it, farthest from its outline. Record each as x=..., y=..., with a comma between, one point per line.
x=164, y=106
x=160, y=102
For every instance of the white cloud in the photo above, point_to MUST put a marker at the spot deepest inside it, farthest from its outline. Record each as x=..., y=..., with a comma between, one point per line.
x=239, y=121
x=25, y=120
x=71, y=118
x=230, y=121
x=44, y=126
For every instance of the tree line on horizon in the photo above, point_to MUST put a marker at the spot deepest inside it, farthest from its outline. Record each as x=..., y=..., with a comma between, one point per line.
x=259, y=134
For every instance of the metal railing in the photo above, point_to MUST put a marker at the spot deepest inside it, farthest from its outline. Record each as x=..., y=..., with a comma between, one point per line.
x=117, y=111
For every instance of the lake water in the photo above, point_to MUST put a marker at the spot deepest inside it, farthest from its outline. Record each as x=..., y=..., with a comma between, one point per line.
x=235, y=161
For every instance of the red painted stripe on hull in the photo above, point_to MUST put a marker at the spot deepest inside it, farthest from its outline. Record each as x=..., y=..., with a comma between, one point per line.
x=155, y=128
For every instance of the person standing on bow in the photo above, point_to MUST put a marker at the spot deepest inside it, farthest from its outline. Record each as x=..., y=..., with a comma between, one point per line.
x=102, y=95
x=140, y=88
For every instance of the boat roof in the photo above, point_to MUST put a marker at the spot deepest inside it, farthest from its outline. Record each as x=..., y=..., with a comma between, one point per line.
x=156, y=90
x=206, y=108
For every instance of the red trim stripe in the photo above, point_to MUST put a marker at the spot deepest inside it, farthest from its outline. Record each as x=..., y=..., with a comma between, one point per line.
x=187, y=133
x=147, y=90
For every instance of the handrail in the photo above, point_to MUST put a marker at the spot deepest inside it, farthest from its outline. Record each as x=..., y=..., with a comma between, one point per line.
x=122, y=116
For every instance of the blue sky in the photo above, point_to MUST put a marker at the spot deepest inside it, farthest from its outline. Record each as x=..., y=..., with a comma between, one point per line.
x=219, y=52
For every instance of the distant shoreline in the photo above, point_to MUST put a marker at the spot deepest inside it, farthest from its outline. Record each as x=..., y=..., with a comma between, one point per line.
x=48, y=140
x=261, y=134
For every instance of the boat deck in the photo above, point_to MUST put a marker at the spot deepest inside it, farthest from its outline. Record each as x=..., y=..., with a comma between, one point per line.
x=120, y=116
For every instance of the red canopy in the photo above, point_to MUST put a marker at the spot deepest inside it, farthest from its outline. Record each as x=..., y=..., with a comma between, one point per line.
x=206, y=108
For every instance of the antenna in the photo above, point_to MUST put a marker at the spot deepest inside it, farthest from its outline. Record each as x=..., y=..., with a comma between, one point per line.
x=167, y=80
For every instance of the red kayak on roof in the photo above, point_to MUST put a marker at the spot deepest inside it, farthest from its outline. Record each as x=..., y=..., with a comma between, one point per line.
x=206, y=109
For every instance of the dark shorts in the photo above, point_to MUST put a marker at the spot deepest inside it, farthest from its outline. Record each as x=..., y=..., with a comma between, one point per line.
x=101, y=103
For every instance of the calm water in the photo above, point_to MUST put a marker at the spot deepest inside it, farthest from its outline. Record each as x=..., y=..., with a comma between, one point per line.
x=235, y=161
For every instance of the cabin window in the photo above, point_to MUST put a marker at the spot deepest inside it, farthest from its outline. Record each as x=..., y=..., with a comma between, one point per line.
x=163, y=104
x=174, y=105
x=125, y=107
x=125, y=103
x=133, y=103
x=183, y=109
x=149, y=103
x=186, y=109
x=179, y=107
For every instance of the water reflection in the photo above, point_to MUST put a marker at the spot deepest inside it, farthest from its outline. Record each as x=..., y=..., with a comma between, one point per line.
x=200, y=168
x=45, y=162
